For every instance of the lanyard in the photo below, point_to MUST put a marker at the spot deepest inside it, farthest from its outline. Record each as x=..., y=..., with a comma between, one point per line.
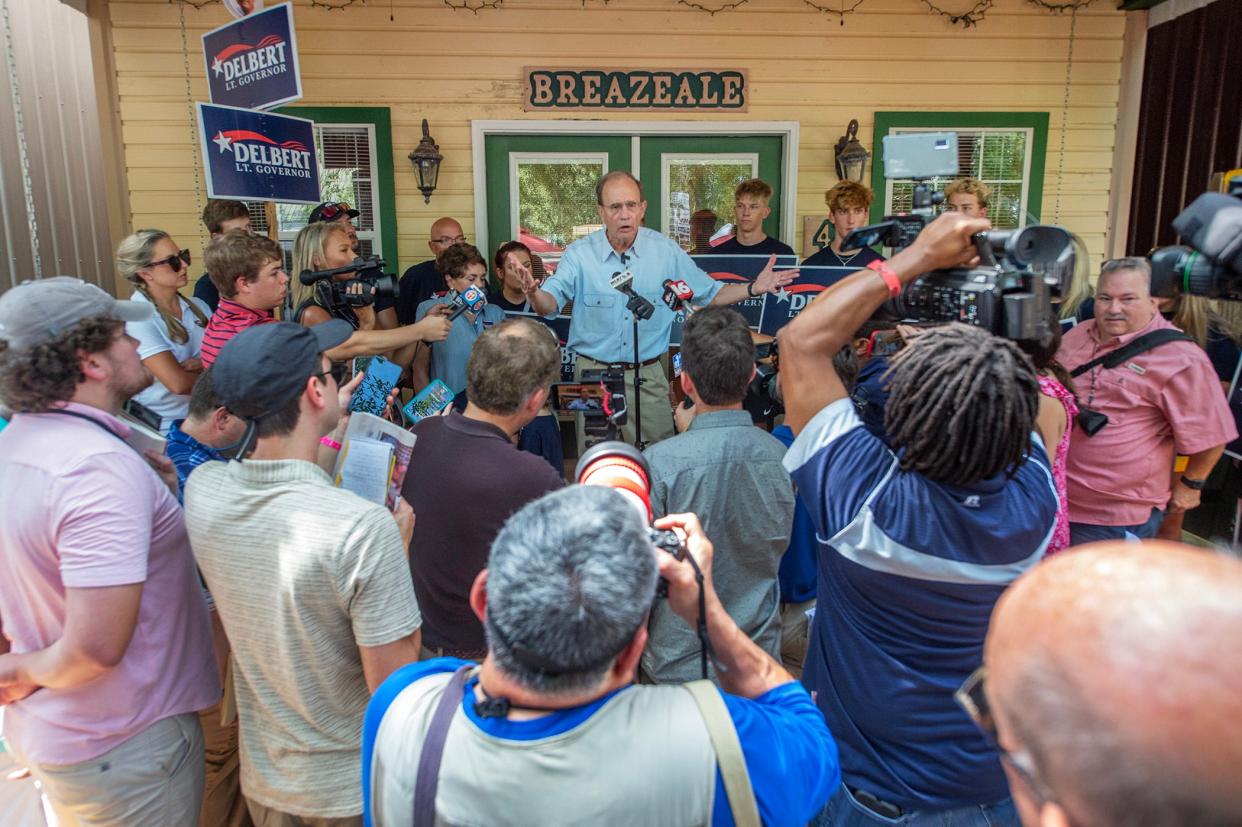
x=89, y=419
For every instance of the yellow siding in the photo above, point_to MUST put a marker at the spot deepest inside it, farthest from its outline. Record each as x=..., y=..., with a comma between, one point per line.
x=454, y=66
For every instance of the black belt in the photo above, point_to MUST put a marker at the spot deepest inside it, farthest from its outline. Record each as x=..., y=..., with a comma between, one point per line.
x=876, y=805
x=624, y=365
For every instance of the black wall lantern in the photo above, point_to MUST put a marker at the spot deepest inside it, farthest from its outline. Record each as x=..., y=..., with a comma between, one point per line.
x=426, y=158
x=851, y=158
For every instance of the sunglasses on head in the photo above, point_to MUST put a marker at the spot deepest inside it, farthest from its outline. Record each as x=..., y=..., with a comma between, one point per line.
x=335, y=211
x=174, y=261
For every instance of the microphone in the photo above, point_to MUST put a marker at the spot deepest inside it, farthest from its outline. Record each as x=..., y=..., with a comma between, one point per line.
x=677, y=294
x=472, y=299
x=623, y=282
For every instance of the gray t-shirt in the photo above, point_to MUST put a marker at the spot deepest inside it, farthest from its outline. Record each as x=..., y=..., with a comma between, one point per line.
x=729, y=473
x=302, y=574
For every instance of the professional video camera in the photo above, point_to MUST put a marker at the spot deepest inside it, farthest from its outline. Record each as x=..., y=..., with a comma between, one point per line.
x=367, y=270
x=1020, y=271
x=599, y=395
x=1212, y=263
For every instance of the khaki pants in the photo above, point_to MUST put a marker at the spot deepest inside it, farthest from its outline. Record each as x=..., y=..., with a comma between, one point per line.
x=152, y=780
x=657, y=412
x=267, y=817
x=223, y=805
x=795, y=634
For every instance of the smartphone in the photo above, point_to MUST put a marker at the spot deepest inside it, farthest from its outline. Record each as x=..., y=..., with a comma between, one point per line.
x=884, y=343
x=143, y=414
x=361, y=364
x=430, y=401
x=372, y=395
x=677, y=364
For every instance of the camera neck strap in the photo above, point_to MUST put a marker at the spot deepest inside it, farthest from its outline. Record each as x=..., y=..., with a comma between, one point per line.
x=1142, y=344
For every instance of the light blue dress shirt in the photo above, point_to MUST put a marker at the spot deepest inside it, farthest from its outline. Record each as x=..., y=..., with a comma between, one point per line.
x=600, y=327
x=449, y=357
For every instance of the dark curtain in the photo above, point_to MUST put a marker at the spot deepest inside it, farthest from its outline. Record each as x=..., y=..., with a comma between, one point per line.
x=1190, y=119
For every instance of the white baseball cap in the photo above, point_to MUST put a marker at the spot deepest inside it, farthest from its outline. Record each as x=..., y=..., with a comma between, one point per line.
x=35, y=312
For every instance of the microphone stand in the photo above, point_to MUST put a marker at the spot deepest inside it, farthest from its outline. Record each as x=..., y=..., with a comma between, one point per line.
x=639, y=308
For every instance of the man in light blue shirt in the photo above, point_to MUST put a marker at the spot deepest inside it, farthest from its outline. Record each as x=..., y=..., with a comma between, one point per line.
x=601, y=327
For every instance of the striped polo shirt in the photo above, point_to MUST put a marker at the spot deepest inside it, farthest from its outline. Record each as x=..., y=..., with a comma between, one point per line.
x=909, y=571
x=229, y=319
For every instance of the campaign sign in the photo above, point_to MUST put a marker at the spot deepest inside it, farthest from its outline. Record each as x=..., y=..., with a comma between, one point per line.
x=791, y=300
x=559, y=325
x=253, y=62
x=258, y=156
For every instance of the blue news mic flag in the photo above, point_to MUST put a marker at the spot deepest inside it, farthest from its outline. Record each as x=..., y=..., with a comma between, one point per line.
x=252, y=63
x=258, y=156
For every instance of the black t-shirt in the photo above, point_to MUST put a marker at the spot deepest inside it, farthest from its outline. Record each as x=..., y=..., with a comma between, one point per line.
x=205, y=290
x=466, y=478
x=417, y=285
x=857, y=261
x=767, y=247
x=497, y=297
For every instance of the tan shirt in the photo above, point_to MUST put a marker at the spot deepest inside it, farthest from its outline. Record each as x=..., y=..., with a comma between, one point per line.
x=302, y=574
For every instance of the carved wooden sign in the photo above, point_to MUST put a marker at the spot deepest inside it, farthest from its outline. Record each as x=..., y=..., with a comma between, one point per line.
x=678, y=89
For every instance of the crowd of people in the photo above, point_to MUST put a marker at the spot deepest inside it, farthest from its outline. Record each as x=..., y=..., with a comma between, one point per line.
x=869, y=615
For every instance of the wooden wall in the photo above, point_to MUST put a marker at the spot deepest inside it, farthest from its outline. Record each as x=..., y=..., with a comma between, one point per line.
x=452, y=66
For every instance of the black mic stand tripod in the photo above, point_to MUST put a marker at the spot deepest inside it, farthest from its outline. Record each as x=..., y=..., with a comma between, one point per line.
x=639, y=308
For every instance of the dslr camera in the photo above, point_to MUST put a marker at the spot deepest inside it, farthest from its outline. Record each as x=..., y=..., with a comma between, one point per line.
x=367, y=270
x=1020, y=271
x=1210, y=264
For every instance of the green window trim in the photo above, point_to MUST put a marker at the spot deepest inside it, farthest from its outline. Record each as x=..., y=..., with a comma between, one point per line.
x=1037, y=122
x=381, y=118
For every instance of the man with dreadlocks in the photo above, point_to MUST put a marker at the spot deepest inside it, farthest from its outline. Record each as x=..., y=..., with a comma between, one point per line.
x=917, y=539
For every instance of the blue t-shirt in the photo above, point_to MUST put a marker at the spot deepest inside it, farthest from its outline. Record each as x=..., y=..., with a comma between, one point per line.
x=797, y=572
x=449, y=357
x=186, y=453
x=789, y=753
x=909, y=571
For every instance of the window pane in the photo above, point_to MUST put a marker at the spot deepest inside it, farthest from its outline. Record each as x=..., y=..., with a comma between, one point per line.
x=556, y=202
x=700, y=198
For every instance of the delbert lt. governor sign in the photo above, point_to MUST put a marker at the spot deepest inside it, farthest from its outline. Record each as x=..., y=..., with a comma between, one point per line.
x=685, y=89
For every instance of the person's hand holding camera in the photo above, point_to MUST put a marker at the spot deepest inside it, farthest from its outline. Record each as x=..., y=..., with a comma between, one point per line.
x=435, y=326
x=683, y=586
x=946, y=242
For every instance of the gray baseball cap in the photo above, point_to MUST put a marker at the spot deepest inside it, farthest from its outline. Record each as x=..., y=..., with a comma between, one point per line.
x=35, y=312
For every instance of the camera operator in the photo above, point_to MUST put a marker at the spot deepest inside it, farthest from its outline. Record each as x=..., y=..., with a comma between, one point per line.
x=1164, y=397
x=921, y=538
x=565, y=602
x=325, y=245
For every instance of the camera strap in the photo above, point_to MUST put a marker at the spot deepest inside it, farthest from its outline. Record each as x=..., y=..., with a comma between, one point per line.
x=1142, y=344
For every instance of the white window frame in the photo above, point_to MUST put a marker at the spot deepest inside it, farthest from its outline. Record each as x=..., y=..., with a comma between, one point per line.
x=1024, y=198
x=518, y=158
x=667, y=159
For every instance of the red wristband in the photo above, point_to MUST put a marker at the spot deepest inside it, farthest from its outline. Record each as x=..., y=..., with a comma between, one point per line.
x=890, y=278
x=330, y=442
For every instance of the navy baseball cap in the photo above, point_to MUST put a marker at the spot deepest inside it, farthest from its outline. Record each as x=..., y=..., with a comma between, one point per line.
x=265, y=367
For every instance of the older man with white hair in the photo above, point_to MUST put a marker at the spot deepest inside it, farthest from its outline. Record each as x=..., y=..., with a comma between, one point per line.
x=550, y=729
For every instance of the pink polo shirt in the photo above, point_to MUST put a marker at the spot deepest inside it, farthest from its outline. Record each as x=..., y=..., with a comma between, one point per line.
x=1166, y=399
x=82, y=509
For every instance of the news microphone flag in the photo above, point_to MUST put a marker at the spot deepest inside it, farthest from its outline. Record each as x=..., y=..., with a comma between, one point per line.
x=472, y=299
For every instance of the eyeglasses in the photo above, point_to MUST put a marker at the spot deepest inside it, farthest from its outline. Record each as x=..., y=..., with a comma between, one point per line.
x=174, y=261
x=334, y=211
x=449, y=241
x=972, y=698
x=339, y=373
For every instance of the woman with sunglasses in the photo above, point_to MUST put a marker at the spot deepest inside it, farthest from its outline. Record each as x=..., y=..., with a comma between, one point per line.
x=170, y=342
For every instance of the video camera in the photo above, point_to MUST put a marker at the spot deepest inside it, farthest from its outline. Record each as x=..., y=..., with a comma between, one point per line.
x=367, y=270
x=1020, y=271
x=599, y=395
x=1211, y=265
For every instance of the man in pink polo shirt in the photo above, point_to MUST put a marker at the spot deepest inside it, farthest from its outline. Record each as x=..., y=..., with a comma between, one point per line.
x=105, y=644
x=1164, y=400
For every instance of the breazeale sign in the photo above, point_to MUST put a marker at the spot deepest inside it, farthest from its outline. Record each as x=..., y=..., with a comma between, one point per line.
x=696, y=89
x=253, y=62
x=258, y=156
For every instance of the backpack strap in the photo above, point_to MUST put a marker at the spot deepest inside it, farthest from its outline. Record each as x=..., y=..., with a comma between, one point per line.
x=1142, y=344
x=427, y=781
x=728, y=748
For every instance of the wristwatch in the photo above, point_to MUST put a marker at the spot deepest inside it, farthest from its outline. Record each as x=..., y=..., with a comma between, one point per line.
x=1196, y=485
x=750, y=290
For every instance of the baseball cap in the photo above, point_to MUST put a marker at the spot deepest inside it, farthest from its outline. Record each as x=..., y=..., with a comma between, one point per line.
x=265, y=367
x=38, y=311
x=331, y=211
